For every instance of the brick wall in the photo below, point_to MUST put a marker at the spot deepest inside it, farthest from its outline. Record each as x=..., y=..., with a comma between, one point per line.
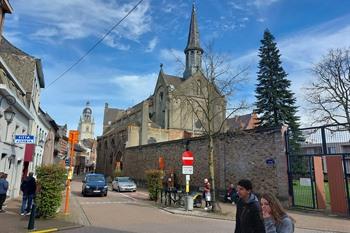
x=237, y=155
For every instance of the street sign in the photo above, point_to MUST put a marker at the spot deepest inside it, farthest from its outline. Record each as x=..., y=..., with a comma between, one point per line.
x=67, y=161
x=73, y=136
x=187, y=158
x=24, y=139
x=187, y=170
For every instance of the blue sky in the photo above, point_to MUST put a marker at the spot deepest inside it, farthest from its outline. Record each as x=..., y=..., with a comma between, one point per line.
x=123, y=69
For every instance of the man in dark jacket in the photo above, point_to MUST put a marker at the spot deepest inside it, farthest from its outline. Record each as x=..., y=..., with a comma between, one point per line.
x=28, y=187
x=248, y=218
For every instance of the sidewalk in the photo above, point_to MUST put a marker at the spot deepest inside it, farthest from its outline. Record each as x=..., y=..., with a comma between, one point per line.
x=310, y=221
x=12, y=222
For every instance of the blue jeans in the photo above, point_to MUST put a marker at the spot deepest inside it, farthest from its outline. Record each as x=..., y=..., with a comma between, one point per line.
x=27, y=201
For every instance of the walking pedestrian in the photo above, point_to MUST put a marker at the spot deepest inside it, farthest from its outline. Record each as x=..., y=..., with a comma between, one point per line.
x=275, y=217
x=231, y=194
x=4, y=185
x=206, y=194
x=28, y=187
x=248, y=216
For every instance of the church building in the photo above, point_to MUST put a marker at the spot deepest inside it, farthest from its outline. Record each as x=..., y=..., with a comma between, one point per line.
x=177, y=109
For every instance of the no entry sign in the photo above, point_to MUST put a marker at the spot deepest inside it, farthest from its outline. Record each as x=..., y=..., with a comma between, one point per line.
x=187, y=158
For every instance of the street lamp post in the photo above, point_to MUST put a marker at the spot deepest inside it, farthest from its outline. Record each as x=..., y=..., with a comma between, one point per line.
x=10, y=101
x=9, y=115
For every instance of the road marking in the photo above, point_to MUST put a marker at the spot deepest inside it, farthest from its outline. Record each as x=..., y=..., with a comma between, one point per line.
x=128, y=196
x=106, y=202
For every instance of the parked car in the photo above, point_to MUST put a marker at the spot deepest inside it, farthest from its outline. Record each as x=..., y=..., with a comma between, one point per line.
x=94, y=184
x=123, y=184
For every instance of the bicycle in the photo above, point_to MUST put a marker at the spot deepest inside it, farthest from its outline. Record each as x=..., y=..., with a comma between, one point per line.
x=177, y=197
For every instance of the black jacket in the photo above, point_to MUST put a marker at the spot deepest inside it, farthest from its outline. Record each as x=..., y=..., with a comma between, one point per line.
x=28, y=186
x=248, y=218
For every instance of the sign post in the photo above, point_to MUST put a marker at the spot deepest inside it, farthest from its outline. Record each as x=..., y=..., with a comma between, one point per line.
x=72, y=139
x=187, y=167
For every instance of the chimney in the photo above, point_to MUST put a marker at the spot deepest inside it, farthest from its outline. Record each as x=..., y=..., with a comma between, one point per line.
x=5, y=7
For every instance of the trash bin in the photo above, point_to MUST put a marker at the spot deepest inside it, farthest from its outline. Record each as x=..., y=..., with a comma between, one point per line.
x=189, y=203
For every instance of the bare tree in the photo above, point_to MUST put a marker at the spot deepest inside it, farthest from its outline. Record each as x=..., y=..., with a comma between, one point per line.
x=329, y=94
x=208, y=100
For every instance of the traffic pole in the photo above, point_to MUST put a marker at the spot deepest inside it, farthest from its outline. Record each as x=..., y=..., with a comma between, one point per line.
x=66, y=205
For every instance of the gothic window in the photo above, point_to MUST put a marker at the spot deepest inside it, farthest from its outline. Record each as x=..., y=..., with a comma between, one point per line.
x=199, y=87
x=87, y=129
x=161, y=96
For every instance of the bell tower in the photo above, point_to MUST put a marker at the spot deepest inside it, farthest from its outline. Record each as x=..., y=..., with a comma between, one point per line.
x=86, y=124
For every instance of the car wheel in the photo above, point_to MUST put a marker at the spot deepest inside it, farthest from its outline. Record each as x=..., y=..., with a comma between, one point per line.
x=134, y=190
x=83, y=193
x=105, y=194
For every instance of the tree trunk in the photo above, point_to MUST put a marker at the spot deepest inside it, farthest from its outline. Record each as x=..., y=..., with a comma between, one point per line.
x=215, y=204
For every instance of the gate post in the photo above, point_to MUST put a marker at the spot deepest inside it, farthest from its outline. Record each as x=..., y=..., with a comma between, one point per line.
x=336, y=184
x=319, y=180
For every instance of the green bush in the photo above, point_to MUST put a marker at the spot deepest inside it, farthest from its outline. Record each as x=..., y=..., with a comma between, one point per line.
x=154, y=182
x=51, y=180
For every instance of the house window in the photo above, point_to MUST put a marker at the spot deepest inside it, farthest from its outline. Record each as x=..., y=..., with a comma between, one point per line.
x=331, y=150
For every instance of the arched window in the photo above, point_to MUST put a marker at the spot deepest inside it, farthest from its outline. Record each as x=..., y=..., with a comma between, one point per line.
x=199, y=87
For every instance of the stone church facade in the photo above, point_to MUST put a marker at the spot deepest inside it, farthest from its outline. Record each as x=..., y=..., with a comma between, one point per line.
x=177, y=109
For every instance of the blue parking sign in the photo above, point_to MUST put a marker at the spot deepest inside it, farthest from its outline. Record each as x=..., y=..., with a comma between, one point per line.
x=24, y=139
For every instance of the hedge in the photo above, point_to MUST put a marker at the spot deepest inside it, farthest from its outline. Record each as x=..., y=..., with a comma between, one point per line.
x=51, y=180
x=154, y=182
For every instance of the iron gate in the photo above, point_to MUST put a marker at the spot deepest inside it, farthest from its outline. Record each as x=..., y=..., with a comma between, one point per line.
x=308, y=145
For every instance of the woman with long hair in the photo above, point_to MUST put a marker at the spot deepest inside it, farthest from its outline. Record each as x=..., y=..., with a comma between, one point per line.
x=275, y=217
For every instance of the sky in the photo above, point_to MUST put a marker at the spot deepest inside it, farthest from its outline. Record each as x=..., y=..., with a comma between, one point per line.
x=122, y=70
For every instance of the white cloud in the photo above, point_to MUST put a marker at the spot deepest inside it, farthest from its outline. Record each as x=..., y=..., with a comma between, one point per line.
x=140, y=86
x=174, y=61
x=261, y=3
x=45, y=32
x=84, y=18
x=152, y=44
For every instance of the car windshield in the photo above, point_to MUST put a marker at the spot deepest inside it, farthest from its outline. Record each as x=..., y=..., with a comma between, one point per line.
x=124, y=179
x=95, y=179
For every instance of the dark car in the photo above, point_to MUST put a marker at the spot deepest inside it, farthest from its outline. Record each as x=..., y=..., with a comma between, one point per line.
x=94, y=184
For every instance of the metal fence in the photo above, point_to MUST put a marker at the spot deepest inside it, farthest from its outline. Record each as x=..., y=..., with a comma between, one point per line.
x=302, y=149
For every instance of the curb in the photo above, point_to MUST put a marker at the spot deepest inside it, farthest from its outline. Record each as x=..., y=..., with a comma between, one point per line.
x=56, y=229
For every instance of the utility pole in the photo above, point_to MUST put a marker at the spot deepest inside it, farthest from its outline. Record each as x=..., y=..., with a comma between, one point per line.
x=73, y=139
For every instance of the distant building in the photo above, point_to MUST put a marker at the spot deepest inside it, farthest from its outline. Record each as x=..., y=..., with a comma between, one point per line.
x=244, y=122
x=85, y=156
x=86, y=125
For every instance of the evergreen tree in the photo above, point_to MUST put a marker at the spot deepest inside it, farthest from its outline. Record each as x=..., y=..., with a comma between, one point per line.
x=275, y=103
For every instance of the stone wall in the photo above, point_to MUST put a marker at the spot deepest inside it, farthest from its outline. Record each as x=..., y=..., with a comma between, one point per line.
x=256, y=155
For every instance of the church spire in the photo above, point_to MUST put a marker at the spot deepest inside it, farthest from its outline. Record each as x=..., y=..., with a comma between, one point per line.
x=193, y=49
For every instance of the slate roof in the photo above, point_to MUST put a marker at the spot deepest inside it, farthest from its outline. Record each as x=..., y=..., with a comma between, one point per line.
x=22, y=65
x=193, y=34
x=172, y=80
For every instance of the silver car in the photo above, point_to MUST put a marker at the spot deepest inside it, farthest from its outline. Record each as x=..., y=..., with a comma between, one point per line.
x=123, y=184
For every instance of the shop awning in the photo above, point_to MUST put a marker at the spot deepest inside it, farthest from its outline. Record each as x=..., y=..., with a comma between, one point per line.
x=28, y=152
